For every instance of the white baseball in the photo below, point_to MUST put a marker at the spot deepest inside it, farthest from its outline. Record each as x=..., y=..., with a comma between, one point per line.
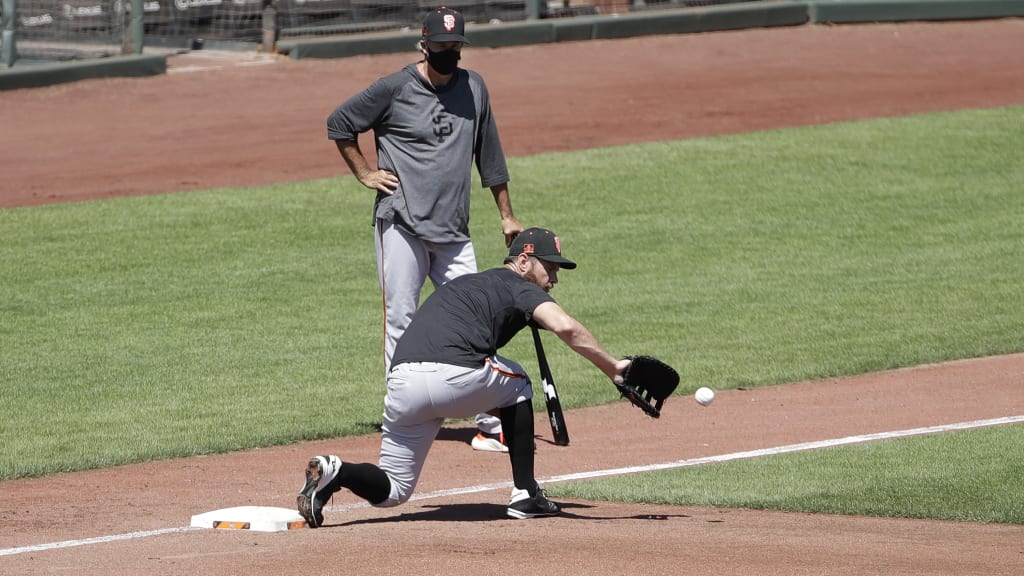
x=704, y=396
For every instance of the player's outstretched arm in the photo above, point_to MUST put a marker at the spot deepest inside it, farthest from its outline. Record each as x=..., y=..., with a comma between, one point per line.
x=553, y=317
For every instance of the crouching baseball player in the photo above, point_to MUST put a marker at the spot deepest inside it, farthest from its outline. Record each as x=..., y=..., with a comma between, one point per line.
x=446, y=366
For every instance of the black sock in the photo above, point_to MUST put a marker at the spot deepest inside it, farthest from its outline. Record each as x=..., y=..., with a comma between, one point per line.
x=364, y=480
x=517, y=424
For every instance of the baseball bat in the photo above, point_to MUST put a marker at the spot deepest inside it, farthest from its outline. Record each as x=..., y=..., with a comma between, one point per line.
x=551, y=400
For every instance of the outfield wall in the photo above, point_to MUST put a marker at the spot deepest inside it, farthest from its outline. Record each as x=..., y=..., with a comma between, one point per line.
x=59, y=73
x=769, y=13
x=678, y=21
x=848, y=12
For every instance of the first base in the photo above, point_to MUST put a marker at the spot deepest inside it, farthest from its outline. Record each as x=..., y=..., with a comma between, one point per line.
x=258, y=518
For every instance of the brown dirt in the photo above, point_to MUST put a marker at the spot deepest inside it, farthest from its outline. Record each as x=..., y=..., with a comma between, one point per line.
x=250, y=123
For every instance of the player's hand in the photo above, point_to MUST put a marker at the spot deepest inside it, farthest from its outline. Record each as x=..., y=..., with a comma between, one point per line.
x=620, y=369
x=511, y=228
x=381, y=180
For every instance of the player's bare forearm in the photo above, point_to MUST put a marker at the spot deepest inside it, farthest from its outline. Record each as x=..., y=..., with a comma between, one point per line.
x=585, y=344
x=552, y=317
x=510, y=225
x=372, y=178
x=353, y=157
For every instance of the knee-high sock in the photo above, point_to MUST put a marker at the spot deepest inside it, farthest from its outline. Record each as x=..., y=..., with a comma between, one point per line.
x=517, y=424
x=366, y=481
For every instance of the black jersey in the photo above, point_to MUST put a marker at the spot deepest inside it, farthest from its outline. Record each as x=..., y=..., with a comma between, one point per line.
x=470, y=318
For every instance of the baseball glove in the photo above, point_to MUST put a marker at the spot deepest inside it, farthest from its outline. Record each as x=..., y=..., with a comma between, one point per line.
x=647, y=382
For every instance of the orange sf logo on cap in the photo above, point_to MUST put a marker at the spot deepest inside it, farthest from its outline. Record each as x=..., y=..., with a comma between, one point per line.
x=449, y=22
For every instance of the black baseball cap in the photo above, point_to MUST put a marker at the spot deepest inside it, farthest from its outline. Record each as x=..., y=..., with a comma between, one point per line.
x=541, y=244
x=444, y=25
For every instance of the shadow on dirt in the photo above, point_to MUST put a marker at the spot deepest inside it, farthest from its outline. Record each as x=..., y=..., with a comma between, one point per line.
x=487, y=511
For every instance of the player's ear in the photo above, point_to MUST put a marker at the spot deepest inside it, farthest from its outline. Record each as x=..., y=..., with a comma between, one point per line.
x=523, y=261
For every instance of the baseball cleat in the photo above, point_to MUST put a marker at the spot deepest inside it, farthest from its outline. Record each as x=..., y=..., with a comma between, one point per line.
x=489, y=442
x=320, y=471
x=522, y=505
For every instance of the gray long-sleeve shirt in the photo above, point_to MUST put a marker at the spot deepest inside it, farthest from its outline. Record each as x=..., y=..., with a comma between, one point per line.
x=429, y=138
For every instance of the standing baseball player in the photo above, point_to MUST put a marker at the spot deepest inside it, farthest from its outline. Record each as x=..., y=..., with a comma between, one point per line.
x=431, y=121
x=446, y=366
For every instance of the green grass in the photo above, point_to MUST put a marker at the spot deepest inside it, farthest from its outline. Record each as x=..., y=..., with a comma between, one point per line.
x=965, y=476
x=186, y=324
x=161, y=326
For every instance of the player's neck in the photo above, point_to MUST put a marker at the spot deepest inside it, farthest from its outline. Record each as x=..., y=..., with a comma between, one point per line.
x=436, y=80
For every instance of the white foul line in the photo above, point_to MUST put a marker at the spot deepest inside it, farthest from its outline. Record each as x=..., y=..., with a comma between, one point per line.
x=804, y=446
x=791, y=448
x=96, y=540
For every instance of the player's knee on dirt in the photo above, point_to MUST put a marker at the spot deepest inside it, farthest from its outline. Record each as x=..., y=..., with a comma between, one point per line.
x=399, y=493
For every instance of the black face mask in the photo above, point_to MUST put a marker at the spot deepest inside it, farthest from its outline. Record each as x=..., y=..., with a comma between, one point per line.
x=444, y=62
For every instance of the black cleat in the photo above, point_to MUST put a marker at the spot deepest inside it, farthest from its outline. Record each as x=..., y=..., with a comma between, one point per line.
x=310, y=501
x=522, y=506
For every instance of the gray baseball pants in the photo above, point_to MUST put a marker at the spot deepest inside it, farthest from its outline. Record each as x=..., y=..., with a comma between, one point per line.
x=421, y=395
